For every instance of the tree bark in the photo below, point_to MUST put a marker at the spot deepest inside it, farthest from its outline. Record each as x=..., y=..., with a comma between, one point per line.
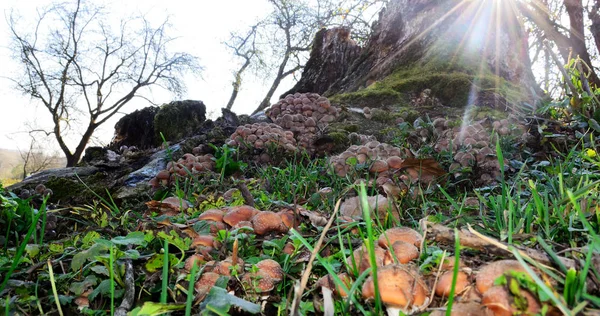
x=237, y=84
x=577, y=36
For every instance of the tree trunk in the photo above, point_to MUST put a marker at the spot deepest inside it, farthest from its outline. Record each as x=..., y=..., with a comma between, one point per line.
x=266, y=102
x=594, y=16
x=577, y=37
x=237, y=84
x=451, y=47
x=73, y=159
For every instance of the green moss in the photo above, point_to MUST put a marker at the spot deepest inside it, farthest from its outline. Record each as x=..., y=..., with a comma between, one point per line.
x=72, y=190
x=373, y=96
x=179, y=119
x=380, y=115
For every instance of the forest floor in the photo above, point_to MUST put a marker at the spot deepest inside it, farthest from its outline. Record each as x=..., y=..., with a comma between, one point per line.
x=526, y=242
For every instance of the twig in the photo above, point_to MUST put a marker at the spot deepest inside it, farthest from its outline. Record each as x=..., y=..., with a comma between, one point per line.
x=477, y=241
x=129, y=295
x=313, y=255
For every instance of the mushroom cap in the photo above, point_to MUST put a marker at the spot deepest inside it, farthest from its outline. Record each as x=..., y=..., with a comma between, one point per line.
x=224, y=267
x=163, y=175
x=288, y=218
x=490, y=272
x=272, y=268
x=211, y=215
x=378, y=166
x=500, y=302
x=328, y=282
x=204, y=240
x=197, y=258
x=399, y=287
x=445, y=283
x=239, y=213
x=395, y=162
x=258, y=282
x=205, y=283
x=403, y=252
x=360, y=258
x=246, y=224
x=405, y=234
x=267, y=222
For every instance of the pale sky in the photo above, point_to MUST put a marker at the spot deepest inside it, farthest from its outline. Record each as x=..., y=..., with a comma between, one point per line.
x=202, y=25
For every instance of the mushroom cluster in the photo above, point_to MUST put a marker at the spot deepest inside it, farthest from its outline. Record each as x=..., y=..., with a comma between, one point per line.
x=380, y=157
x=425, y=98
x=304, y=114
x=259, y=136
x=189, y=164
x=473, y=147
x=40, y=190
x=261, y=222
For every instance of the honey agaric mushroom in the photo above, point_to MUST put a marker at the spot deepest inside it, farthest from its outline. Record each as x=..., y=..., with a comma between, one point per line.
x=378, y=166
x=268, y=222
x=444, y=283
x=501, y=302
x=271, y=268
x=204, y=240
x=465, y=309
x=289, y=248
x=402, y=251
x=288, y=218
x=395, y=162
x=224, y=267
x=405, y=234
x=490, y=272
x=238, y=214
x=328, y=282
x=195, y=258
x=400, y=289
x=360, y=258
x=211, y=215
x=269, y=273
x=205, y=283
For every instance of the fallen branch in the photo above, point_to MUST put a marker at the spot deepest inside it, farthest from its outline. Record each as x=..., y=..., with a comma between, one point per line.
x=129, y=296
x=475, y=240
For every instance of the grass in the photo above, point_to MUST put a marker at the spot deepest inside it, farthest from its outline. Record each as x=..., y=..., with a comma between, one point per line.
x=550, y=206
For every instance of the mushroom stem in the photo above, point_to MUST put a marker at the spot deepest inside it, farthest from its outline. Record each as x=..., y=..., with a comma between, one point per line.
x=393, y=311
x=328, y=306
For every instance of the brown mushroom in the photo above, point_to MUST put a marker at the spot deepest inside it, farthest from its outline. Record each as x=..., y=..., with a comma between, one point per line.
x=444, y=283
x=405, y=234
x=360, y=258
x=211, y=215
x=204, y=240
x=328, y=282
x=238, y=214
x=403, y=252
x=271, y=268
x=224, y=267
x=400, y=289
x=195, y=258
x=490, y=272
x=501, y=302
x=268, y=222
x=205, y=283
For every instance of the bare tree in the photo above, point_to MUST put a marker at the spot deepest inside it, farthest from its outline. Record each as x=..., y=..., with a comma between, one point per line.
x=35, y=159
x=243, y=46
x=76, y=65
x=571, y=40
x=290, y=29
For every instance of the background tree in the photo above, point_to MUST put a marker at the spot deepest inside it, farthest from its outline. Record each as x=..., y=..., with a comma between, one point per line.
x=35, y=159
x=278, y=46
x=84, y=71
x=244, y=47
x=570, y=40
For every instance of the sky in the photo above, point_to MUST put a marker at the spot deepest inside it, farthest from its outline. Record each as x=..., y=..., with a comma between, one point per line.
x=201, y=26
